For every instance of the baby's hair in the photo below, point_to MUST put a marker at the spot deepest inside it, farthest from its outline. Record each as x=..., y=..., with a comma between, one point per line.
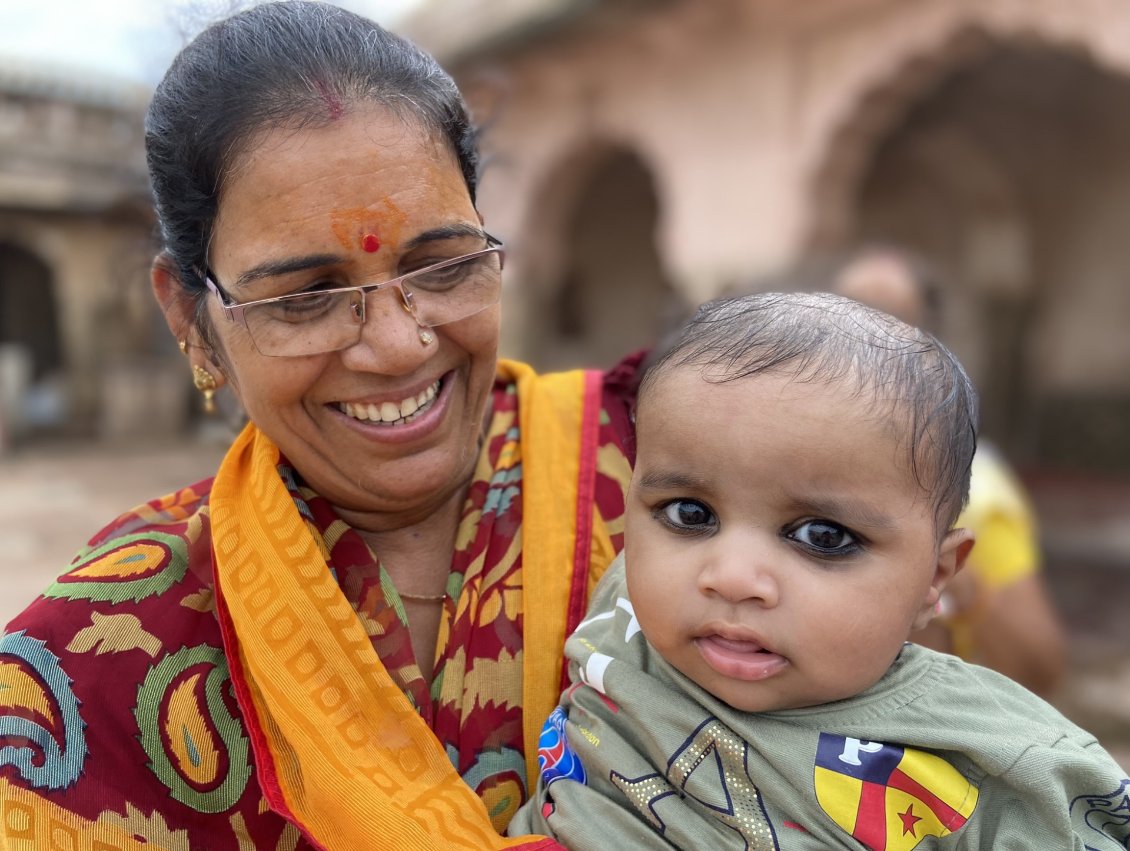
x=820, y=337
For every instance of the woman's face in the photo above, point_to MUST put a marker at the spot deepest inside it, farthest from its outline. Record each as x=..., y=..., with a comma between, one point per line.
x=365, y=198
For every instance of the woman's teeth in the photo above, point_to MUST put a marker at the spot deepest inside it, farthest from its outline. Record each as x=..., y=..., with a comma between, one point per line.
x=391, y=413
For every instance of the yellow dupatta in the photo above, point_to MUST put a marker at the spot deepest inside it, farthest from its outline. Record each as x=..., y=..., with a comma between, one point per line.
x=339, y=749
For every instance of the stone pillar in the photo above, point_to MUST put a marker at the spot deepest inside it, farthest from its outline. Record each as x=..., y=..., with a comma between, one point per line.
x=15, y=378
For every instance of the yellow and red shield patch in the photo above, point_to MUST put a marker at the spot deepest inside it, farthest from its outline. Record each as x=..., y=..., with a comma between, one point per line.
x=888, y=797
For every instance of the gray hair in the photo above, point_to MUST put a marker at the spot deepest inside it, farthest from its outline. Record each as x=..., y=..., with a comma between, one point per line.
x=827, y=338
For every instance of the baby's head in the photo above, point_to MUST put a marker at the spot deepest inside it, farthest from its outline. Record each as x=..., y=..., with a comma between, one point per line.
x=904, y=375
x=801, y=459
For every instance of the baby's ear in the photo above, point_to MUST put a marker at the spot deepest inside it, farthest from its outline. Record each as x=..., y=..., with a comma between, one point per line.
x=952, y=553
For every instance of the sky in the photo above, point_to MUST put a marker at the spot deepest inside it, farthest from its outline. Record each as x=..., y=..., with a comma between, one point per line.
x=133, y=40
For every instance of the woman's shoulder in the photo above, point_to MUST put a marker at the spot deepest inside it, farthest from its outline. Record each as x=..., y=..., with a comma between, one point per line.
x=617, y=386
x=125, y=638
x=164, y=511
x=621, y=386
x=149, y=567
x=622, y=379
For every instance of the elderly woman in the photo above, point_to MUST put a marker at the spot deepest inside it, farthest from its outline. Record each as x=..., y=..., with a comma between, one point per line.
x=350, y=637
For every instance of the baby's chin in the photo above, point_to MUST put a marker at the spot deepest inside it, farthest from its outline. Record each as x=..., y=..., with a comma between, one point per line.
x=776, y=695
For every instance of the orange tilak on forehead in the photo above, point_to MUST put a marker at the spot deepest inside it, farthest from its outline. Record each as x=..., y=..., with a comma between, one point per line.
x=368, y=228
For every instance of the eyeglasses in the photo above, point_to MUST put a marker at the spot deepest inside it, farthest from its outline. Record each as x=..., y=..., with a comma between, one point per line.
x=319, y=321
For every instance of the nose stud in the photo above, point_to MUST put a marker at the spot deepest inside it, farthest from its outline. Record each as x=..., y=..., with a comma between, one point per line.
x=426, y=337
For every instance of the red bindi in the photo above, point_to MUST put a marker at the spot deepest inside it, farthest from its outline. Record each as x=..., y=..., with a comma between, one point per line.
x=370, y=243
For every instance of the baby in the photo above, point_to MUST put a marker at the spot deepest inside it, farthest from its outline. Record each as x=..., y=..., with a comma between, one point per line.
x=743, y=678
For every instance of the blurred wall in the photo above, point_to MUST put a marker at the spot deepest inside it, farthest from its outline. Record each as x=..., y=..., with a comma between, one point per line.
x=986, y=135
x=76, y=317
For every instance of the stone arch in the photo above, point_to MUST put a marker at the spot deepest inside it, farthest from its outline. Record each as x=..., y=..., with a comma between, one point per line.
x=944, y=197
x=872, y=114
x=599, y=289
x=999, y=157
x=28, y=309
x=31, y=351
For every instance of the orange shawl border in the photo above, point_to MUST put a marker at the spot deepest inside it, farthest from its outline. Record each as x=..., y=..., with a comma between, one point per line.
x=559, y=426
x=338, y=748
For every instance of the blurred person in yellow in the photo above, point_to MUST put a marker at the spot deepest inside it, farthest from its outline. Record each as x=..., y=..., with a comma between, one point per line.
x=998, y=611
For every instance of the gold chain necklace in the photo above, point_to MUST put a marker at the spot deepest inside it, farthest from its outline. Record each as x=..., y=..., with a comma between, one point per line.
x=422, y=598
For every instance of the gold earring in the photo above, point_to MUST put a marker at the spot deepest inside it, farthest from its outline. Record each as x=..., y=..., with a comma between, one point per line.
x=205, y=382
x=183, y=346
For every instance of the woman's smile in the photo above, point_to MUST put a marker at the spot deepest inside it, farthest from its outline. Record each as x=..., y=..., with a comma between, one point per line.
x=415, y=416
x=392, y=413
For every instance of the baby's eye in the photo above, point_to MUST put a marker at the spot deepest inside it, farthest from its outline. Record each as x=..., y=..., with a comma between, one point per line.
x=825, y=537
x=687, y=515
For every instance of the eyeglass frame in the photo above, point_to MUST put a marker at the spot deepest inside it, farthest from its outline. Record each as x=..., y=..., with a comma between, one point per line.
x=235, y=309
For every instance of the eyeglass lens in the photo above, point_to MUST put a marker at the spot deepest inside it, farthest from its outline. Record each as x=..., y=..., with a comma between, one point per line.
x=317, y=322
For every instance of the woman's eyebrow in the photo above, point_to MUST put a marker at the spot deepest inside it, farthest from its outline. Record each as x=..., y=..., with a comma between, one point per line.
x=274, y=268
x=460, y=231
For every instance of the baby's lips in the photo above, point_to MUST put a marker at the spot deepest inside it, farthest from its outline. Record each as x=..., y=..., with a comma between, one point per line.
x=735, y=645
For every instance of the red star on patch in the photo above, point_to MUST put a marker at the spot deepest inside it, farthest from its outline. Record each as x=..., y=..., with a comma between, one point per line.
x=909, y=819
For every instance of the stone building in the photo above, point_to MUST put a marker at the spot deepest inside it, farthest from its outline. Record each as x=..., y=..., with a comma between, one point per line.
x=642, y=155
x=78, y=343
x=647, y=153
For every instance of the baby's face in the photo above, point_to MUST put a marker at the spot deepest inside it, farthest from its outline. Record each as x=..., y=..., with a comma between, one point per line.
x=779, y=548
